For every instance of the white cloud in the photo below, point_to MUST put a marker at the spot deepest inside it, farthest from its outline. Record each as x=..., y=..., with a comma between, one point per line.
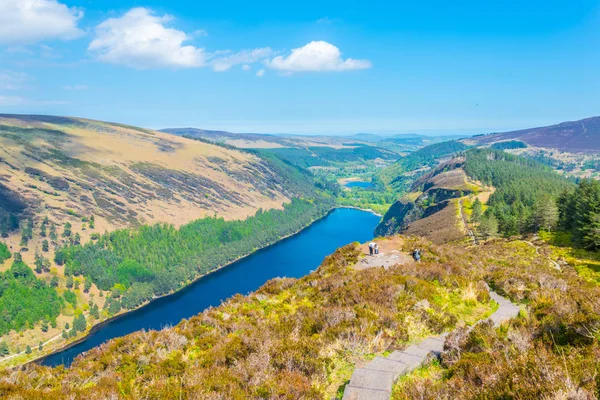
x=11, y=100
x=223, y=63
x=200, y=32
x=140, y=39
x=318, y=56
x=75, y=88
x=246, y=67
x=30, y=21
x=11, y=80
x=261, y=72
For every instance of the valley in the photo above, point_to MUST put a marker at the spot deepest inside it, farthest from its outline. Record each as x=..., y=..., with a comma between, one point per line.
x=117, y=290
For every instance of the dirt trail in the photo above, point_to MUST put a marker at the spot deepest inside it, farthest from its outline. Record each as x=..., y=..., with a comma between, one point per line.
x=464, y=222
x=23, y=352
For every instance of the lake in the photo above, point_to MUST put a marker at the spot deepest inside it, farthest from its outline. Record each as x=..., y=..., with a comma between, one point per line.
x=292, y=257
x=359, y=184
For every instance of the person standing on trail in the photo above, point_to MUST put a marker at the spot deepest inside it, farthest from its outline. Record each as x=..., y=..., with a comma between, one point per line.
x=417, y=255
x=376, y=248
x=371, y=248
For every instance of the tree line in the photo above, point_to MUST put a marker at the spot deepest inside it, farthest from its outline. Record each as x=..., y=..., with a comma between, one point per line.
x=526, y=191
x=137, y=265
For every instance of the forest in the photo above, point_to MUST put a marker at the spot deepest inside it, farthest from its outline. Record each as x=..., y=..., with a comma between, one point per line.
x=579, y=214
x=26, y=300
x=526, y=191
x=137, y=265
x=508, y=145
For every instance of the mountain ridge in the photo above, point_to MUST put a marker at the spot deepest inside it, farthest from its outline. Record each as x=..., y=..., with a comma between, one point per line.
x=581, y=136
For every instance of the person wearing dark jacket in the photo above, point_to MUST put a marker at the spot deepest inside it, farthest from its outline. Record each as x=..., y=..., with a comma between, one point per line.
x=417, y=255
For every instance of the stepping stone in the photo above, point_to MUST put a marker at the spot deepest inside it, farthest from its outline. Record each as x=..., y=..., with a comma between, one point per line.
x=410, y=360
x=357, y=393
x=499, y=299
x=415, y=350
x=432, y=344
x=374, y=380
x=386, y=365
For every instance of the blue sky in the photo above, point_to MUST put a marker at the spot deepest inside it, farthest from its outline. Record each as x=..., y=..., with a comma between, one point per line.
x=304, y=67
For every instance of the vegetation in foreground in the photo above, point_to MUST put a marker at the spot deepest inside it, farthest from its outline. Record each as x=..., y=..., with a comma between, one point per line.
x=550, y=352
x=291, y=339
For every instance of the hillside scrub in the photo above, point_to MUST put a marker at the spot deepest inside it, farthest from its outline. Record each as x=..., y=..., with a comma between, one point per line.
x=290, y=339
x=550, y=352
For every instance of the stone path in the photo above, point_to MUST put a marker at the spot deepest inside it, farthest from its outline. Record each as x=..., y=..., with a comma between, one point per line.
x=385, y=260
x=375, y=380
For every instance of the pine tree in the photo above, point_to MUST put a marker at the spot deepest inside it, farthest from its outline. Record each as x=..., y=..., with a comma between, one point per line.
x=545, y=214
x=4, y=351
x=87, y=286
x=67, y=230
x=488, y=226
x=79, y=323
x=53, y=235
x=477, y=211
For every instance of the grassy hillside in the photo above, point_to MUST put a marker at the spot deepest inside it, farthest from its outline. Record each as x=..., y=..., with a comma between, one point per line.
x=399, y=175
x=550, y=352
x=124, y=175
x=99, y=218
x=430, y=208
x=572, y=136
x=304, y=338
x=291, y=339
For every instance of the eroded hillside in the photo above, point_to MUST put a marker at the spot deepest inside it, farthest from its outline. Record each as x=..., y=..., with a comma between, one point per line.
x=433, y=207
x=66, y=167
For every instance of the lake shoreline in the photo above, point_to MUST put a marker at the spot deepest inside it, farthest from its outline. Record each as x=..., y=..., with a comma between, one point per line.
x=361, y=209
x=103, y=323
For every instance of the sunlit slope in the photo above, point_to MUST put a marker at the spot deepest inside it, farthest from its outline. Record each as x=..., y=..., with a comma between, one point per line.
x=66, y=167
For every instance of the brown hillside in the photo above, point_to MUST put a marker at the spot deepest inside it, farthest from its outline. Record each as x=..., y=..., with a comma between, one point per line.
x=71, y=167
x=573, y=136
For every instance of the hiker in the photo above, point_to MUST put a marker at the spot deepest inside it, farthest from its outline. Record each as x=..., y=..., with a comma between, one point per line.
x=371, y=248
x=376, y=248
x=417, y=255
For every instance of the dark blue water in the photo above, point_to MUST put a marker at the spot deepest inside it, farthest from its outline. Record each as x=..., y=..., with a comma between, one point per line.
x=359, y=184
x=293, y=257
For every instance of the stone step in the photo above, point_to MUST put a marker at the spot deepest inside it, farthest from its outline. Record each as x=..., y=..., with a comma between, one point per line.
x=415, y=350
x=432, y=344
x=374, y=380
x=358, y=393
x=410, y=360
x=386, y=365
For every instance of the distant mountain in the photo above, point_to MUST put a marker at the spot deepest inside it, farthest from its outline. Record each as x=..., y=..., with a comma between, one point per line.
x=573, y=136
x=199, y=133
